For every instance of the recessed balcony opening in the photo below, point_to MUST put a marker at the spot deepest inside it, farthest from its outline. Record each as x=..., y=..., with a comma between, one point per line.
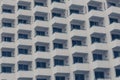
x=7, y=52
x=24, y=34
x=7, y=68
x=43, y=78
x=25, y=79
x=59, y=1
x=114, y=18
x=80, y=58
x=78, y=41
x=77, y=25
x=22, y=19
x=81, y=75
x=100, y=55
x=8, y=9
x=96, y=22
x=94, y=5
x=42, y=63
x=59, y=28
x=75, y=9
x=61, y=61
x=24, y=50
x=41, y=16
x=102, y=74
x=41, y=31
x=117, y=71
x=24, y=5
x=61, y=13
x=42, y=47
x=24, y=66
x=114, y=3
x=116, y=53
x=98, y=38
x=60, y=44
x=115, y=35
x=40, y=3
x=5, y=37
x=8, y=23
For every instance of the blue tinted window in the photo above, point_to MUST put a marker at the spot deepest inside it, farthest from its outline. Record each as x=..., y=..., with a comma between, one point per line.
x=23, y=51
x=41, y=64
x=117, y=72
x=6, y=24
x=57, y=30
x=112, y=4
x=74, y=11
x=97, y=57
x=40, y=48
x=92, y=8
x=79, y=77
x=59, y=78
x=41, y=79
x=23, y=36
x=7, y=39
x=78, y=59
x=95, y=39
x=6, y=69
x=21, y=21
x=58, y=45
x=116, y=54
x=6, y=54
x=56, y=15
x=39, y=18
x=113, y=20
x=22, y=7
x=75, y=26
x=23, y=67
x=7, y=10
x=55, y=0
x=93, y=23
x=76, y=43
x=115, y=36
x=41, y=33
x=99, y=75
x=39, y=4
x=58, y=62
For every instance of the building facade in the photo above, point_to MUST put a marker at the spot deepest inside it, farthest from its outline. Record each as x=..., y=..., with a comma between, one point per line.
x=59, y=39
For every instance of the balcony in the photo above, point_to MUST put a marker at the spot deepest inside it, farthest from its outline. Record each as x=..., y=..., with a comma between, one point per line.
x=96, y=13
x=60, y=52
x=7, y=45
x=114, y=27
x=27, y=74
x=44, y=55
x=58, y=5
x=43, y=72
x=100, y=64
x=58, y=20
x=10, y=60
x=22, y=57
x=7, y=30
x=24, y=27
x=24, y=12
x=81, y=33
x=61, y=69
x=7, y=76
x=43, y=9
x=80, y=67
x=61, y=36
x=115, y=43
x=79, y=49
x=99, y=46
x=24, y=42
x=97, y=29
x=113, y=10
x=7, y=16
x=77, y=17
x=44, y=39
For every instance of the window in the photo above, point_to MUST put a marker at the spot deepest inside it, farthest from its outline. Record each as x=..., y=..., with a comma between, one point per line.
x=116, y=54
x=23, y=51
x=40, y=33
x=41, y=79
x=6, y=54
x=59, y=78
x=76, y=43
x=23, y=36
x=117, y=72
x=7, y=10
x=92, y=8
x=97, y=57
x=23, y=67
x=6, y=24
x=58, y=62
x=7, y=39
x=111, y=4
x=57, y=30
x=95, y=39
x=74, y=11
x=41, y=48
x=99, y=75
x=79, y=77
x=113, y=20
x=39, y=4
x=78, y=59
x=55, y=0
x=75, y=26
x=22, y=21
x=41, y=64
x=6, y=69
x=39, y=18
x=22, y=7
x=56, y=15
x=93, y=23
x=115, y=36
x=58, y=45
